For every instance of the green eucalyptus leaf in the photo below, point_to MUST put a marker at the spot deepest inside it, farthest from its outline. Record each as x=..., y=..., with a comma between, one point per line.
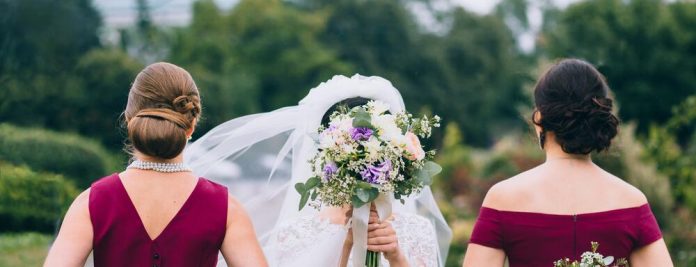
x=312, y=182
x=314, y=195
x=363, y=194
x=303, y=199
x=362, y=119
x=357, y=203
x=300, y=187
x=425, y=174
x=363, y=185
x=373, y=193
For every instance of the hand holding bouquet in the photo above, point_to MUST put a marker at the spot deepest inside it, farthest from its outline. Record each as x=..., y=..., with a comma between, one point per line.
x=365, y=152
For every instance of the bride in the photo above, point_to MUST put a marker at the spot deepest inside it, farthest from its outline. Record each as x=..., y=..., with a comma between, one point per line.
x=261, y=157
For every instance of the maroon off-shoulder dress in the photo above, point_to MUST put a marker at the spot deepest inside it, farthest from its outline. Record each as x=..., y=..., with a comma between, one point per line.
x=192, y=238
x=535, y=239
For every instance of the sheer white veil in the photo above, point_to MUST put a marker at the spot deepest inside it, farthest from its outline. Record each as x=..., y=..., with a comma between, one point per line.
x=260, y=157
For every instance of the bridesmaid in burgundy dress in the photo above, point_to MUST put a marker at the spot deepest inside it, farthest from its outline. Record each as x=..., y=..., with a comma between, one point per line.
x=156, y=212
x=555, y=210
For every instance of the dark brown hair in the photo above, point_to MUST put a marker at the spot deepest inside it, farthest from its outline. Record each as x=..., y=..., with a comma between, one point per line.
x=572, y=98
x=163, y=104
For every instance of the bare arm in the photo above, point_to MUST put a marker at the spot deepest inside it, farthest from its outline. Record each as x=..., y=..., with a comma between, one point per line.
x=477, y=255
x=74, y=241
x=654, y=254
x=240, y=247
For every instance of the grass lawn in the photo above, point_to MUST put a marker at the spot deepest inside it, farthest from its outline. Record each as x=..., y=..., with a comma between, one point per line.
x=23, y=249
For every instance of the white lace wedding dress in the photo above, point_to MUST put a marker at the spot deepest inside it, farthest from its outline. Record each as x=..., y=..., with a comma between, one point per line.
x=305, y=237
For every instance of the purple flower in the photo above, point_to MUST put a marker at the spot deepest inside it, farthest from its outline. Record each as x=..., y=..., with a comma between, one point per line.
x=360, y=133
x=330, y=169
x=372, y=174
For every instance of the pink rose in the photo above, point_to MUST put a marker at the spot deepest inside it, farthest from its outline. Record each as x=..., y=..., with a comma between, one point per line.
x=413, y=147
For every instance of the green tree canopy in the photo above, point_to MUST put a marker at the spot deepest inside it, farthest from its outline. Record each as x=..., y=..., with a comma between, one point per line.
x=646, y=48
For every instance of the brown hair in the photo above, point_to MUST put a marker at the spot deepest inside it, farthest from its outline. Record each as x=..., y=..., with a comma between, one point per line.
x=163, y=104
x=573, y=99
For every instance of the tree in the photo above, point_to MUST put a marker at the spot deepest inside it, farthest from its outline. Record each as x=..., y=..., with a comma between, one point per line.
x=101, y=94
x=486, y=77
x=646, y=49
x=444, y=73
x=41, y=42
x=145, y=41
x=44, y=35
x=262, y=55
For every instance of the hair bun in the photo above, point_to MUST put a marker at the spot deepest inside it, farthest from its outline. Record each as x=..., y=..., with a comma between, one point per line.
x=572, y=98
x=165, y=114
x=186, y=103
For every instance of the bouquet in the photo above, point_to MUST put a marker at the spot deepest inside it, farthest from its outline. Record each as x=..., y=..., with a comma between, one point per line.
x=365, y=152
x=592, y=259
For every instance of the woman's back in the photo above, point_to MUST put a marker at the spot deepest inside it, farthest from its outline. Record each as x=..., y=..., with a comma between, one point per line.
x=156, y=213
x=182, y=225
x=557, y=209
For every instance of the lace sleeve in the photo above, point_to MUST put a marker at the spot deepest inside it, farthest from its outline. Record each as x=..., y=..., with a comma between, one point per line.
x=417, y=240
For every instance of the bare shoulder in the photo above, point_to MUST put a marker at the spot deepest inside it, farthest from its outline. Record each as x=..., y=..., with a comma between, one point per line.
x=235, y=209
x=81, y=202
x=626, y=192
x=78, y=212
x=504, y=194
x=233, y=203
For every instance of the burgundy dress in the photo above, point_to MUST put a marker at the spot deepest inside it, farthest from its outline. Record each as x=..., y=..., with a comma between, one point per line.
x=192, y=238
x=537, y=239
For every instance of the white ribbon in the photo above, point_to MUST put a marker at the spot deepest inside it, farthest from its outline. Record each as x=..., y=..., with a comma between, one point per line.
x=360, y=219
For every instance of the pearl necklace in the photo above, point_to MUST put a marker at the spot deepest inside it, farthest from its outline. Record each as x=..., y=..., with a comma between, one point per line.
x=160, y=166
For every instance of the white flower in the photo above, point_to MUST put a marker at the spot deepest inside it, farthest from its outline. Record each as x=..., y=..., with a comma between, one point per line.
x=372, y=147
x=326, y=140
x=345, y=123
x=347, y=148
x=386, y=127
x=399, y=142
x=377, y=107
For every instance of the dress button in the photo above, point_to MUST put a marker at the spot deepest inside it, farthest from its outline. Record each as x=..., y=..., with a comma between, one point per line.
x=155, y=256
x=155, y=265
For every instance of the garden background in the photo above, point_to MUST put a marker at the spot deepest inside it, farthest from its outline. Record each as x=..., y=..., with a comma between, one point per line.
x=66, y=67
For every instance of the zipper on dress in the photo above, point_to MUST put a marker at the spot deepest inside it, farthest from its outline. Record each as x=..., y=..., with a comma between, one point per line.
x=575, y=235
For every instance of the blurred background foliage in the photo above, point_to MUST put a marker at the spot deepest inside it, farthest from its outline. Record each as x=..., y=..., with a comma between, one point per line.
x=63, y=86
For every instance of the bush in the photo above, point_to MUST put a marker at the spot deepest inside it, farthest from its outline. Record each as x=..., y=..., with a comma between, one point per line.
x=75, y=157
x=32, y=201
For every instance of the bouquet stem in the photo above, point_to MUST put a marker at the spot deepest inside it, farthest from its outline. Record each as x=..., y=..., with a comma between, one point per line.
x=372, y=259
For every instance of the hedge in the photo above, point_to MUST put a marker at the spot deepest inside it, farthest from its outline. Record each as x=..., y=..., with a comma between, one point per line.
x=77, y=158
x=31, y=201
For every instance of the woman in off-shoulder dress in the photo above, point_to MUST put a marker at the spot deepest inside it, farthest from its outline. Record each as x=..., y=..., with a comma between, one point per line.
x=556, y=209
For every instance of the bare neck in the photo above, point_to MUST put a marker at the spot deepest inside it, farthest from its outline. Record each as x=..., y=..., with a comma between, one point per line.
x=554, y=152
x=142, y=157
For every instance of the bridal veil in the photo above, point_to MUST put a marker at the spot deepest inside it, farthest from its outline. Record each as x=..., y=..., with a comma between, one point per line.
x=260, y=157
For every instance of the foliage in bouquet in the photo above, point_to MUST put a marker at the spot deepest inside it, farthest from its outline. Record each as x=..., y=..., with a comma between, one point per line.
x=365, y=151
x=592, y=259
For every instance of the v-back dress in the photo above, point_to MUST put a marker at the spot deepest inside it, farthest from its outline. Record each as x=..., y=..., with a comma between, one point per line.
x=536, y=239
x=192, y=238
